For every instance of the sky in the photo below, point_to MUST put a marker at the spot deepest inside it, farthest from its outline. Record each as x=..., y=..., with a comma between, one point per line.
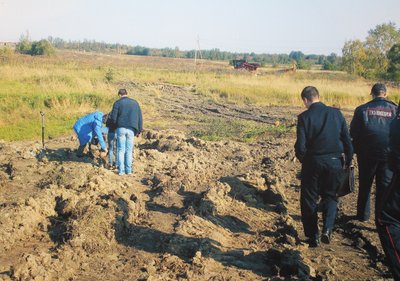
x=260, y=26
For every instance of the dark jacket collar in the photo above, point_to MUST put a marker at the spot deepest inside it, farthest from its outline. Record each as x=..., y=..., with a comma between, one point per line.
x=379, y=99
x=316, y=105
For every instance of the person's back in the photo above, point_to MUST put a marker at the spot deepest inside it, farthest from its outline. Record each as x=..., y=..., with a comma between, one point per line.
x=370, y=128
x=128, y=114
x=391, y=204
x=323, y=131
x=370, y=132
x=388, y=222
x=322, y=137
x=86, y=126
x=85, y=123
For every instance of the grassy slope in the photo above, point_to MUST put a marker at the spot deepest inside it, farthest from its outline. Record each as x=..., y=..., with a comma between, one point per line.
x=70, y=85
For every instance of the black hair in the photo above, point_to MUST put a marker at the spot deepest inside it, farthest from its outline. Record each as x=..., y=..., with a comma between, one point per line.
x=122, y=92
x=310, y=93
x=378, y=89
x=105, y=117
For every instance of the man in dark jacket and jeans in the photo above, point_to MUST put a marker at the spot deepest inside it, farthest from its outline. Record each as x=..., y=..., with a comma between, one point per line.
x=322, y=138
x=370, y=132
x=126, y=115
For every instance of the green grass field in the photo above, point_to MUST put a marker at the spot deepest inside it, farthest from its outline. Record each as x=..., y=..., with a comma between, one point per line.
x=70, y=85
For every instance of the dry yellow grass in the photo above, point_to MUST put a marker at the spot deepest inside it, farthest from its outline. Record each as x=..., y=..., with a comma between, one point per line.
x=71, y=84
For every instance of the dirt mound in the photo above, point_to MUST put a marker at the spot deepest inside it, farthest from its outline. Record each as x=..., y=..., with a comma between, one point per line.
x=192, y=210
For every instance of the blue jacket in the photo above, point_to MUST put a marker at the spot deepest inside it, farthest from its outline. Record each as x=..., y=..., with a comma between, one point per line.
x=322, y=131
x=126, y=113
x=370, y=128
x=88, y=124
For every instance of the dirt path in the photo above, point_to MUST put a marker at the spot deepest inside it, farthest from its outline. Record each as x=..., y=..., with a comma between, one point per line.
x=192, y=210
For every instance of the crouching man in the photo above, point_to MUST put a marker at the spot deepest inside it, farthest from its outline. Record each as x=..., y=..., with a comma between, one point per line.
x=86, y=128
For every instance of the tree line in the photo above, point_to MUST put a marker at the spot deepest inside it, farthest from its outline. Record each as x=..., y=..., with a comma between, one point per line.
x=377, y=57
x=302, y=60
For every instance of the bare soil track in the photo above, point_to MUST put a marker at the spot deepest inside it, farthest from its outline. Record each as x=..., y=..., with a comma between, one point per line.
x=192, y=210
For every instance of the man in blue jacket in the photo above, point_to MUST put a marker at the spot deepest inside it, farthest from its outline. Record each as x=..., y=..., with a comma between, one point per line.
x=370, y=132
x=126, y=115
x=88, y=126
x=322, y=139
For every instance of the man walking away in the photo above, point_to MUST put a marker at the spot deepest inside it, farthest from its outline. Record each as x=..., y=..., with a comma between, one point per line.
x=322, y=138
x=85, y=127
x=370, y=132
x=127, y=117
x=388, y=222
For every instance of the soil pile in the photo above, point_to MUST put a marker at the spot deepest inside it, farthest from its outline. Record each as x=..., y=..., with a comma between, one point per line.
x=192, y=209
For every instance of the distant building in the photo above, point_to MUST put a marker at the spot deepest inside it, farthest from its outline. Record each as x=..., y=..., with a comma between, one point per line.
x=11, y=45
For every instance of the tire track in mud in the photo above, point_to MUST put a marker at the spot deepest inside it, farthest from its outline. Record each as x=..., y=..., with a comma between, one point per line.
x=184, y=100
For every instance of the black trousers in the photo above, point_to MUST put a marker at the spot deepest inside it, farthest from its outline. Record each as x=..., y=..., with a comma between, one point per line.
x=389, y=234
x=320, y=177
x=368, y=170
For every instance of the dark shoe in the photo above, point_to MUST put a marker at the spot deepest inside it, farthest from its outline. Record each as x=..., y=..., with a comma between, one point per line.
x=313, y=242
x=326, y=237
x=362, y=218
x=81, y=151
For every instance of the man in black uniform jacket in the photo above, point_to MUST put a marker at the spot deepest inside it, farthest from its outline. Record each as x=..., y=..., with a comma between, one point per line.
x=322, y=138
x=388, y=222
x=370, y=132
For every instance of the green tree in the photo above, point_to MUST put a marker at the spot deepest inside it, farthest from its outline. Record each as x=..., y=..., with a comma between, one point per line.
x=383, y=37
x=42, y=47
x=354, y=57
x=303, y=64
x=378, y=43
x=394, y=62
x=300, y=60
x=369, y=59
x=24, y=45
x=296, y=55
x=332, y=62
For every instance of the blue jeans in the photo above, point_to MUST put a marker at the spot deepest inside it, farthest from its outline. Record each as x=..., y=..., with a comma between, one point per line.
x=111, y=137
x=125, y=139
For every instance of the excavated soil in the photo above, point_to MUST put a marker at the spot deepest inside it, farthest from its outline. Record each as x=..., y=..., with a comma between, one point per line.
x=192, y=209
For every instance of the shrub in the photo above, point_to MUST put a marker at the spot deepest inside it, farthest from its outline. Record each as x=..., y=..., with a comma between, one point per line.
x=109, y=75
x=42, y=47
x=24, y=46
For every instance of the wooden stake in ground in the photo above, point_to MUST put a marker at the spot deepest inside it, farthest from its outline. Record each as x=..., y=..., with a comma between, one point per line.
x=42, y=113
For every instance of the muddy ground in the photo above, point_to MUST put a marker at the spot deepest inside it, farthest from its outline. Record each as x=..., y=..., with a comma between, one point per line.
x=192, y=210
